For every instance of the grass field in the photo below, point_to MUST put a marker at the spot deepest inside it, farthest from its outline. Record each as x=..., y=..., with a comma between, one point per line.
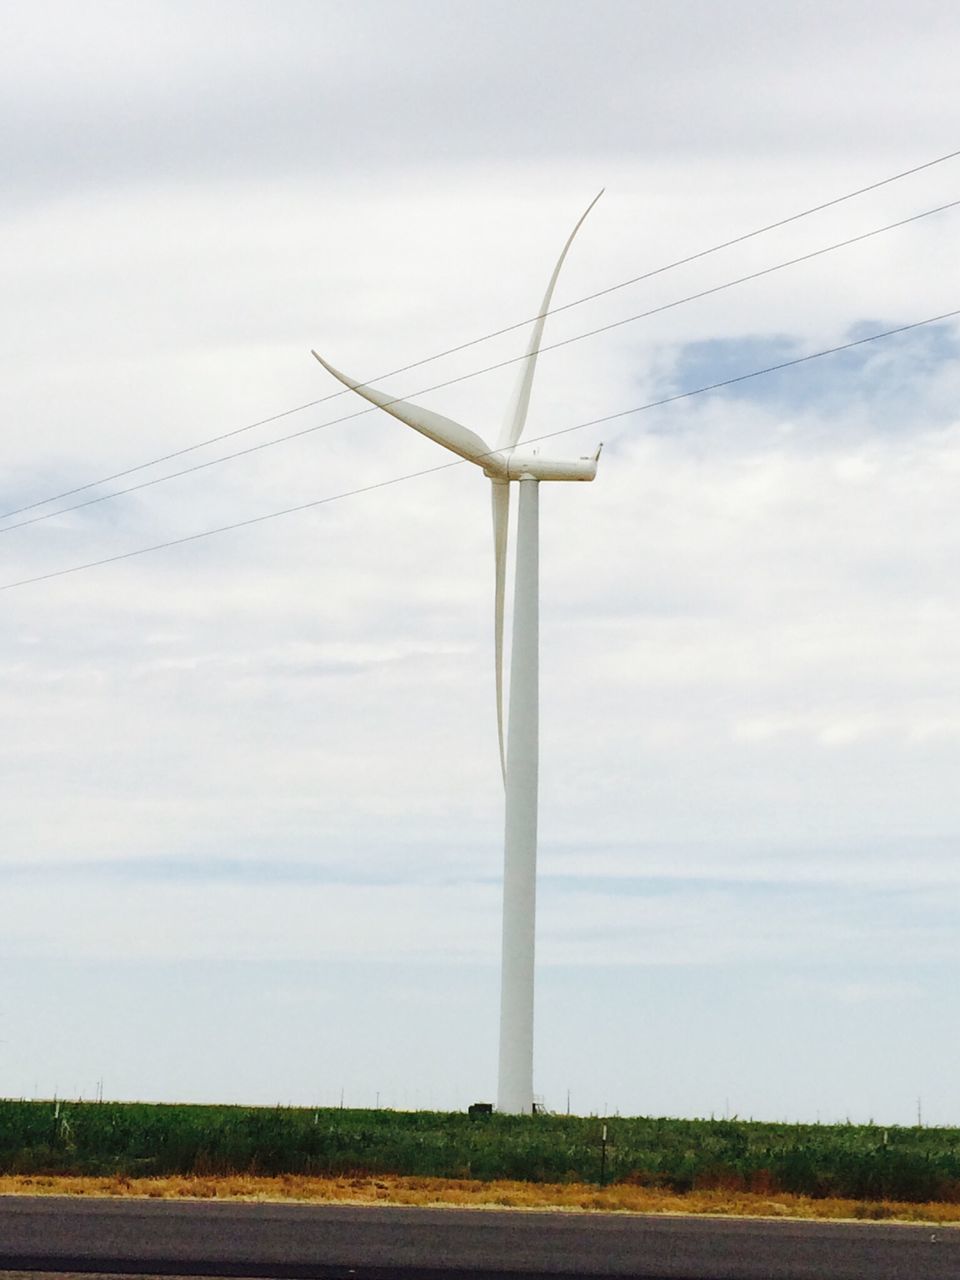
x=862, y=1163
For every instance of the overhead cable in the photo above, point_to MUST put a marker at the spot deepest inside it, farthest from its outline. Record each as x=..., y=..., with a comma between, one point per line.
x=476, y=373
x=426, y=471
x=463, y=346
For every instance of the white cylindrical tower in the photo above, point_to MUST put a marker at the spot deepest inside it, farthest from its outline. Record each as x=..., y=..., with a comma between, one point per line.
x=515, y=1082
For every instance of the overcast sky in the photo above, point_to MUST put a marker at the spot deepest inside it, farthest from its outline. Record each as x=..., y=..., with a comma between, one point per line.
x=250, y=806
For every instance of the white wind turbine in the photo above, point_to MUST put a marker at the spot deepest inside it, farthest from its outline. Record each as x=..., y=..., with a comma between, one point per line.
x=519, y=760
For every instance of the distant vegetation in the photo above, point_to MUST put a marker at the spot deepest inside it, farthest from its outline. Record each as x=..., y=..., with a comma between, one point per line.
x=144, y=1140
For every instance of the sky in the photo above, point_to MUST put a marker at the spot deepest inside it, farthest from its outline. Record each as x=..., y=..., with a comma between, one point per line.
x=250, y=804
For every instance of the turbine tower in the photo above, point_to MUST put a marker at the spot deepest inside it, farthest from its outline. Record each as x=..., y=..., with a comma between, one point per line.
x=519, y=753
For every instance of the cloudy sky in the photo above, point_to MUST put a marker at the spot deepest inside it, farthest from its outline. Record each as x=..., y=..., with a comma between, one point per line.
x=250, y=808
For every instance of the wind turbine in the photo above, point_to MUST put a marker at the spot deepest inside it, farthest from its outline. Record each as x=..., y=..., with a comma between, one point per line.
x=519, y=754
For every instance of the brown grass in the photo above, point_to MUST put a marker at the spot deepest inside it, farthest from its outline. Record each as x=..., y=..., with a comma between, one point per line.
x=482, y=1195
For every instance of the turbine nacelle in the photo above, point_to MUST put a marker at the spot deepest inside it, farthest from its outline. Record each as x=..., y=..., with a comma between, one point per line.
x=519, y=466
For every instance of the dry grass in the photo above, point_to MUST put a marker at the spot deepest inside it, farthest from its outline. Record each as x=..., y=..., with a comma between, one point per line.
x=482, y=1195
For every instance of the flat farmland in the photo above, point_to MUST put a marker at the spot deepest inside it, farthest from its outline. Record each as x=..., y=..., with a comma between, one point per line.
x=112, y=1140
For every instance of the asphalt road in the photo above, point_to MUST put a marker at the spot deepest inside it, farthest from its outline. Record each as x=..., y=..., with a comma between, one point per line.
x=189, y=1238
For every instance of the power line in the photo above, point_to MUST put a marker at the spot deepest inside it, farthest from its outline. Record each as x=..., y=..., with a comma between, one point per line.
x=564, y=342
x=520, y=324
x=444, y=466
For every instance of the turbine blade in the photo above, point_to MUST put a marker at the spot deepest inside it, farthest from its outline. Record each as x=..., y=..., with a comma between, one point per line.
x=452, y=435
x=514, y=424
x=501, y=518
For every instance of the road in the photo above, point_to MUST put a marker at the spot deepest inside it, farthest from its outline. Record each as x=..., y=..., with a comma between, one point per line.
x=67, y=1235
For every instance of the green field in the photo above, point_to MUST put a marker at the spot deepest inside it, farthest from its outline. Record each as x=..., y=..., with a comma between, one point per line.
x=140, y=1139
